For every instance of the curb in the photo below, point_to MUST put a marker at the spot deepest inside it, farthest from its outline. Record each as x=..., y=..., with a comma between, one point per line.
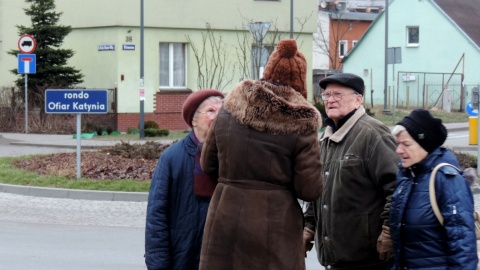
x=83, y=147
x=75, y=194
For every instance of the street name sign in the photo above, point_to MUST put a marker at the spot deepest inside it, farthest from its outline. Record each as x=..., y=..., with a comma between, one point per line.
x=76, y=101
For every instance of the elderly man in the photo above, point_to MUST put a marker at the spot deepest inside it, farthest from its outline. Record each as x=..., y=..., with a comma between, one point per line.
x=359, y=168
x=180, y=192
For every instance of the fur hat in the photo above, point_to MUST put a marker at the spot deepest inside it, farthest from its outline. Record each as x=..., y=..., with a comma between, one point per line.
x=346, y=79
x=427, y=131
x=194, y=100
x=287, y=66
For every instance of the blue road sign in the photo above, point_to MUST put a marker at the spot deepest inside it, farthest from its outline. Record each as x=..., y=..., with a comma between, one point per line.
x=27, y=63
x=76, y=101
x=470, y=110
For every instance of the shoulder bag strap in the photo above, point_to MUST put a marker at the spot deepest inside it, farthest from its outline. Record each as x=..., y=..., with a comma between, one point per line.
x=431, y=191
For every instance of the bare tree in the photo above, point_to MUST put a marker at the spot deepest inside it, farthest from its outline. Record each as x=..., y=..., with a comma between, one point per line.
x=211, y=57
x=329, y=35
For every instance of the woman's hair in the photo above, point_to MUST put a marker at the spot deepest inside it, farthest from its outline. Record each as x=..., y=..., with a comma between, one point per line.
x=397, y=129
x=213, y=98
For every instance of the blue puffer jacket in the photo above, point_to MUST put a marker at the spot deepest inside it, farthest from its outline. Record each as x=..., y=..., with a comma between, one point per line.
x=175, y=215
x=420, y=241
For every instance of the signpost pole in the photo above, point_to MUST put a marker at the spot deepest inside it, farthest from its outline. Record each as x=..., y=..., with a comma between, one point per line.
x=26, y=103
x=79, y=145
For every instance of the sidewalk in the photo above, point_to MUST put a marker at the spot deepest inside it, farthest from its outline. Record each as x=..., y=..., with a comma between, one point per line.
x=11, y=142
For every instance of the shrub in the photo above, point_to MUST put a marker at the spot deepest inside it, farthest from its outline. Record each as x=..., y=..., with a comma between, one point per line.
x=99, y=130
x=109, y=130
x=132, y=130
x=154, y=132
x=163, y=132
x=466, y=160
x=151, y=124
x=321, y=108
x=151, y=132
x=89, y=127
x=148, y=150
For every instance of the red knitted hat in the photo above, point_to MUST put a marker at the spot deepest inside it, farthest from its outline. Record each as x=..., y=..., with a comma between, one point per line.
x=194, y=100
x=287, y=66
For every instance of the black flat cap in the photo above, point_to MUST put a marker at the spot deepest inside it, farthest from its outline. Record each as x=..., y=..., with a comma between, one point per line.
x=346, y=79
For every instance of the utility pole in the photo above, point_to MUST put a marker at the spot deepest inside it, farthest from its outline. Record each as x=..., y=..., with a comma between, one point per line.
x=142, y=79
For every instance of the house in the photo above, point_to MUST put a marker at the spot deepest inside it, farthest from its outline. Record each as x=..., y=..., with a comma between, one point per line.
x=106, y=39
x=432, y=56
x=340, y=26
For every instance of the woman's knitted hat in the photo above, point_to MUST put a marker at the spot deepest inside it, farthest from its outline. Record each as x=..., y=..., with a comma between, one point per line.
x=287, y=66
x=194, y=100
x=426, y=130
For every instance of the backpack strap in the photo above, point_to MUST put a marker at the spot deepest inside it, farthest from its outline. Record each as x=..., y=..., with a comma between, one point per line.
x=431, y=190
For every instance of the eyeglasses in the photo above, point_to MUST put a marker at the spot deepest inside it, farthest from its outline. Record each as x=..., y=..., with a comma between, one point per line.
x=336, y=96
x=210, y=113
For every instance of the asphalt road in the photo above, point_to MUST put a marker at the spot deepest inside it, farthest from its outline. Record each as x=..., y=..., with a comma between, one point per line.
x=57, y=234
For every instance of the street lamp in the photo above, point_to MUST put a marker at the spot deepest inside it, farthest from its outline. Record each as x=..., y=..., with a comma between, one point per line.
x=259, y=31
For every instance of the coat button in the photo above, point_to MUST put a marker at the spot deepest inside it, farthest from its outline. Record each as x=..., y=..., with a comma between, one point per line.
x=327, y=173
x=325, y=207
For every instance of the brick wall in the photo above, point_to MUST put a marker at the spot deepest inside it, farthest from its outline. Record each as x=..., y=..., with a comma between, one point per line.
x=167, y=112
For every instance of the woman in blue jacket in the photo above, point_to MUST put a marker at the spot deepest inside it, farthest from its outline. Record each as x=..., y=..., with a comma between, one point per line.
x=420, y=241
x=180, y=192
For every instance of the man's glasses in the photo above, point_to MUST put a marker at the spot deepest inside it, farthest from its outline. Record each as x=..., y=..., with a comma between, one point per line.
x=210, y=113
x=336, y=96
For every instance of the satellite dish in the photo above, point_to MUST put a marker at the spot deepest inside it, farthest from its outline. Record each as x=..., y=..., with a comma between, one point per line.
x=323, y=4
x=340, y=6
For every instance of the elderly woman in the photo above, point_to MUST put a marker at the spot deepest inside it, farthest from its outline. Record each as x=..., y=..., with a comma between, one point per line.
x=263, y=144
x=420, y=240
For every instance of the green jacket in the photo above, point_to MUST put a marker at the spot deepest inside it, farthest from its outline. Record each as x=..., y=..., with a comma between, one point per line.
x=359, y=170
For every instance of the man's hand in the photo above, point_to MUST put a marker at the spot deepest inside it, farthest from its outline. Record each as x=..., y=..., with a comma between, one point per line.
x=384, y=244
x=308, y=237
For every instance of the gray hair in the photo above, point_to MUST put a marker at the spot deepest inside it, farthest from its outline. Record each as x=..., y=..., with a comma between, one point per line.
x=397, y=129
x=213, y=98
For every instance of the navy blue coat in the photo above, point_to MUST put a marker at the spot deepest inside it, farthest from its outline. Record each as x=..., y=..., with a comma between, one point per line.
x=175, y=215
x=420, y=241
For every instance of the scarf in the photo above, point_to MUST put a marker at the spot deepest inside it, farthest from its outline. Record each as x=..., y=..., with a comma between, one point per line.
x=203, y=185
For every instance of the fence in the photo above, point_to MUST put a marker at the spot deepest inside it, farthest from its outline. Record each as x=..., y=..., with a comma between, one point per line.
x=426, y=90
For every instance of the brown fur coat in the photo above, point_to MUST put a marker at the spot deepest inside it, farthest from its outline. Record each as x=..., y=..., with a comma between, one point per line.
x=263, y=145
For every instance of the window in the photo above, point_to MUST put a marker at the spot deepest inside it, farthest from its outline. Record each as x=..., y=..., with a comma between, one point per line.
x=172, y=65
x=354, y=42
x=342, y=48
x=413, y=36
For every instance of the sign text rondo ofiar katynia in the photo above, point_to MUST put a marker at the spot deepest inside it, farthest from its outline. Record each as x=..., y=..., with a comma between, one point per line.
x=76, y=101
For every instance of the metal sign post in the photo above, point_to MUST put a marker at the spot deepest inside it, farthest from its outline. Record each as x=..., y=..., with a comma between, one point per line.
x=476, y=103
x=26, y=65
x=26, y=103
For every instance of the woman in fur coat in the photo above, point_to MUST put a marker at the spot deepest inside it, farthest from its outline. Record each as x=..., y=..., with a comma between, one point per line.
x=264, y=147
